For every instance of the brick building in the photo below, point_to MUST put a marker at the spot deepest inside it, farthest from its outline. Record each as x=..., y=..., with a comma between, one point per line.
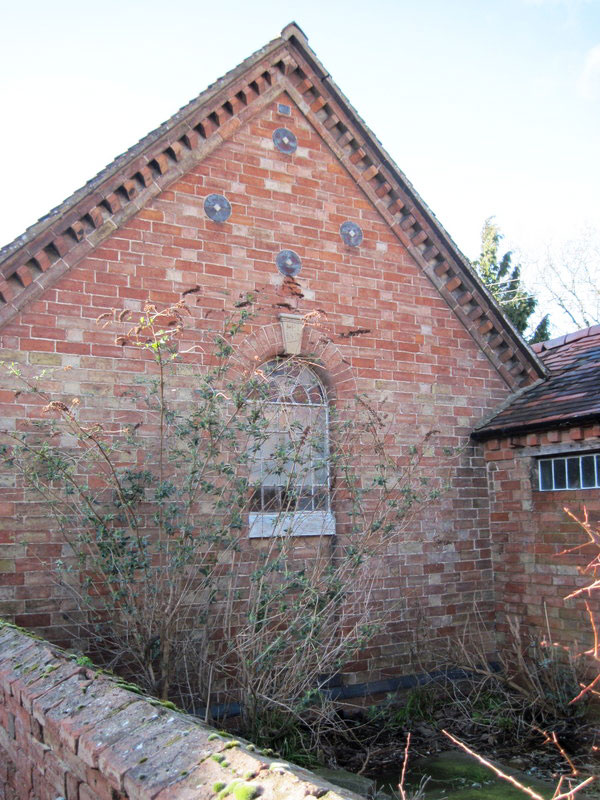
x=270, y=182
x=542, y=455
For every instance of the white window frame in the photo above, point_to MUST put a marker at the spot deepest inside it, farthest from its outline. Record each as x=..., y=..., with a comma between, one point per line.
x=563, y=459
x=309, y=522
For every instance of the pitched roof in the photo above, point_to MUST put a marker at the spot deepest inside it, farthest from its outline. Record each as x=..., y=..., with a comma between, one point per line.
x=61, y=239
x=569, y=395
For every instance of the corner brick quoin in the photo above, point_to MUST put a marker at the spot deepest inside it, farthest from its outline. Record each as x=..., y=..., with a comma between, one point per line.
x=68, y=731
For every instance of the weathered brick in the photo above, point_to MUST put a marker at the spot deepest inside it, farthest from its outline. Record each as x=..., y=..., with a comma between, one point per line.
x=120, y=725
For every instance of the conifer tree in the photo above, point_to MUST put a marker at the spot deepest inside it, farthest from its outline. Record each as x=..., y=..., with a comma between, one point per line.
x=503, y=279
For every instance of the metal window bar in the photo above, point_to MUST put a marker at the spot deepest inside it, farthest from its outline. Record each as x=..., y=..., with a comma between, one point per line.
x=569, y=472
x=280, y=489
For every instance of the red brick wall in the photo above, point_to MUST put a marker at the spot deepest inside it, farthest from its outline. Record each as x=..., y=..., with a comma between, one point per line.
x=417, y=362
x=68, y=731
x=530, y=529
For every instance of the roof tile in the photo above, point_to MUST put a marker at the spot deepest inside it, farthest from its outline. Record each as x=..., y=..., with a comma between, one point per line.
x=568, y=395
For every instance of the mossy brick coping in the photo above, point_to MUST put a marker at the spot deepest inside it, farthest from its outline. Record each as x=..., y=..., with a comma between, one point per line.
x=47, y=688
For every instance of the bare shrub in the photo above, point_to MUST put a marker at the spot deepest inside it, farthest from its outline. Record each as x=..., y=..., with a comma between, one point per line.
x=167, y=587
x=544, y=681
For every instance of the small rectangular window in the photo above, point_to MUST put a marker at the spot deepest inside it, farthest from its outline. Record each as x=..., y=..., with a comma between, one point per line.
x=569, y=472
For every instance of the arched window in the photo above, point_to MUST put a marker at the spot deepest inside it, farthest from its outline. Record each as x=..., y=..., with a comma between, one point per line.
x=291, y=468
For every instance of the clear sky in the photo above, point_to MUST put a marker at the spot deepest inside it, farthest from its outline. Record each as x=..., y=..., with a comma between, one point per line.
x=490, y=107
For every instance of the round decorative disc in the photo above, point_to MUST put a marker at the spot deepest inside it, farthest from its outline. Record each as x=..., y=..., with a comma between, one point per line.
x=351, y=233
x=288, y=263
x=217, y=207
x=285, y=141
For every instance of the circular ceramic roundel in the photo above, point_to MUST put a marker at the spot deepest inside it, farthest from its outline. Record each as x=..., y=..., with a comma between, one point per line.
x=351, y=233
x=288, y=263
x=285, y=141
x=217, y=207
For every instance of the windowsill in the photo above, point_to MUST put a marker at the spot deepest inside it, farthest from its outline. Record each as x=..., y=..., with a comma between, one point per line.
x=301, y=523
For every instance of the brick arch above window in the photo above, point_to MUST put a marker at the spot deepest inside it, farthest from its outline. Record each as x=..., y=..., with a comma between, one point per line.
x=319, y=350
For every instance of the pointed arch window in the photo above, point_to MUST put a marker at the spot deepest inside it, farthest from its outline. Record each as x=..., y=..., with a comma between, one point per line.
x=290, y=470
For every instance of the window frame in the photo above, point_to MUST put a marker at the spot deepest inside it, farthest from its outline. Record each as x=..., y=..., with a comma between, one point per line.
x=564, y=458
x=299, y=522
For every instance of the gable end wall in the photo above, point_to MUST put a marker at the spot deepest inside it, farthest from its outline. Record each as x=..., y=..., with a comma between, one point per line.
x=414, y=359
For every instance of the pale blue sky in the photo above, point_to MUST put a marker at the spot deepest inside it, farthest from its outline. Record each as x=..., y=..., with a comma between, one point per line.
x=488, y=106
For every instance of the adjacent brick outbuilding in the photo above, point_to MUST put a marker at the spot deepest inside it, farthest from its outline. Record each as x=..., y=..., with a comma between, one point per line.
x=542, y=451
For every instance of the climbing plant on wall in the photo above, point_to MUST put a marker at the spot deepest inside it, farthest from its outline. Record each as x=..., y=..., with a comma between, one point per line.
x=158, y=569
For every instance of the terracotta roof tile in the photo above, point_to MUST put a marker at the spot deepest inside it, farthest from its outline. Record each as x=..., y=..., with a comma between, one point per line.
x=569, y=394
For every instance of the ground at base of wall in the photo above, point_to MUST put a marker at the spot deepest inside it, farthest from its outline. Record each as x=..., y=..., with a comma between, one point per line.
x=537, y=765
x=374, y=738
x=457, y=776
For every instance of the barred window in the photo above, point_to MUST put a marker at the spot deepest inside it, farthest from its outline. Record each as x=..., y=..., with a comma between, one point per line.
x=291, y=467
x=569, y=472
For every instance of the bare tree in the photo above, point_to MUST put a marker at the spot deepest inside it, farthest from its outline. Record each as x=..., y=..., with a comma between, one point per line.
x=570, y=278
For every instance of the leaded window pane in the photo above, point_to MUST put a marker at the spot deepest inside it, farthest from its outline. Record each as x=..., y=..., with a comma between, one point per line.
x=560, y=474
x=588, y=472
x=291, y=465
x=573, y=477
x=546, y=482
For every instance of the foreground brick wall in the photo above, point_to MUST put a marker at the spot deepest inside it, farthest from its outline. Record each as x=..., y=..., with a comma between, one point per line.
x=68, y=731
x=530, y=529
x=389, y=334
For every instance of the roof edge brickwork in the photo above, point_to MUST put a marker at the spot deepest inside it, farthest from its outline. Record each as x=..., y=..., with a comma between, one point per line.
x=71, y=231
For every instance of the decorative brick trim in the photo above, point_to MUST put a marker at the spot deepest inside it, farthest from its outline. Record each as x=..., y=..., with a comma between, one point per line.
x=412, y=222
x=578, y=435
x=134, y=185
x=85, y=220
